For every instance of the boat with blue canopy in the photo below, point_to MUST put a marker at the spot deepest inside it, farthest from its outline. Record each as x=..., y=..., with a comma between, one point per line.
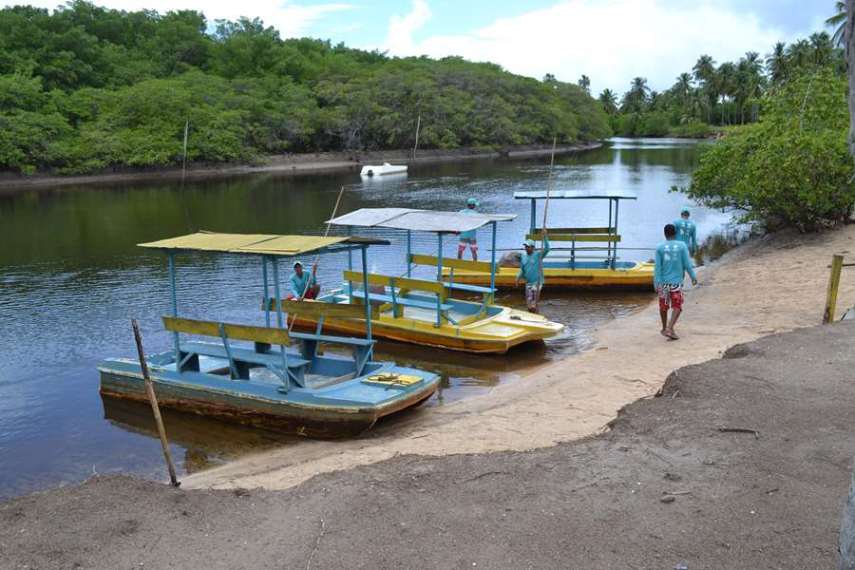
x=266, y=374
x=590, y=254
x=425, y=311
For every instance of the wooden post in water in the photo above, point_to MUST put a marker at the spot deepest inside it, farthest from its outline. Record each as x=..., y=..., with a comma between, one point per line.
x=152, y=398
x=833, y=285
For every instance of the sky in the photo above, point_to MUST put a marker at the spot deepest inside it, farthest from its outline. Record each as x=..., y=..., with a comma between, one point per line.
x=611, y=41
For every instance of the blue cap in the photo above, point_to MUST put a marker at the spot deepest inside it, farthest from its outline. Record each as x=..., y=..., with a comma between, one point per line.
x=685, y=211
x=529, y=243
x=472, y=202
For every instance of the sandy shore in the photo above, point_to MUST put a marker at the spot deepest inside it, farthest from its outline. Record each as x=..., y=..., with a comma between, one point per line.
x=769, y=285
x=296, y=164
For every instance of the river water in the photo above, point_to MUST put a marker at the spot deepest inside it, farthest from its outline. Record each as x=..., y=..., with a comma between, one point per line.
x=71, y=279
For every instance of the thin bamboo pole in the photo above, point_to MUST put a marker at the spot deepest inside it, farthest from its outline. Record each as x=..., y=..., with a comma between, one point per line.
x=152, y=398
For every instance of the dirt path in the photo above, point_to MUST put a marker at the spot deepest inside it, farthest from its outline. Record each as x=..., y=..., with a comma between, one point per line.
x=742, y=463
x=770, y=285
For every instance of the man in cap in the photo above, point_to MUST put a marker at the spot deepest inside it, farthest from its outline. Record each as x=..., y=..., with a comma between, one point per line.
x=468, y=238
x=303, y=285
x=531, y=270
x=686, y=231
x=672, y=263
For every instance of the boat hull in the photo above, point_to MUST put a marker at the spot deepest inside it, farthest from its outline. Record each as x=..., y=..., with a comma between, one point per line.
x=638, y=277
x=491, y=335
x=312, y=417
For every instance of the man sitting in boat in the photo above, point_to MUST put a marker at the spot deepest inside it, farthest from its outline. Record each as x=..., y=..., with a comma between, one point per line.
x=304, y=285
x=686, y=231
x=469, y=238
x=531, y=270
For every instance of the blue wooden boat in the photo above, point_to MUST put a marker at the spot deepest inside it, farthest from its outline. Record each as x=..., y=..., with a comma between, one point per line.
x=254, y=374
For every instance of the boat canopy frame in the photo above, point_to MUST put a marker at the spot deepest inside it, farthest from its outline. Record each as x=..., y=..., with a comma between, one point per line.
x=611, y=234
x=270, y=248
x=433, y=221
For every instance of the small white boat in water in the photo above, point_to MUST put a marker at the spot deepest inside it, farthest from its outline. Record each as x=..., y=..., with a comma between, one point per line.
x=386, y=168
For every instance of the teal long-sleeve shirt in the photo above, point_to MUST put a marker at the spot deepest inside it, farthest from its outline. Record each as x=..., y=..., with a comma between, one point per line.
x=687, y=233
x=471, y=233
x=672, y=263
x=299, y=285
x=530, y=265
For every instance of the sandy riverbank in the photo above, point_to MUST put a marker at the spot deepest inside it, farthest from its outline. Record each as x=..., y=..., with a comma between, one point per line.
x=296, y=164
x=769, y=285
x=743, y=462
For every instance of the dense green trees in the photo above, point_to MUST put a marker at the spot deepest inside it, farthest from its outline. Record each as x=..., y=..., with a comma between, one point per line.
x=720, y=95
x=86, y=88
x=793, y=166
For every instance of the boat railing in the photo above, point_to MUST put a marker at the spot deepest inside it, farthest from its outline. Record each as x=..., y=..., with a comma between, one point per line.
x=487, y=293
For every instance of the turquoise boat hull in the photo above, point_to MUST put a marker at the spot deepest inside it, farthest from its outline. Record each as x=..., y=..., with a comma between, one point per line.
x=337, y=408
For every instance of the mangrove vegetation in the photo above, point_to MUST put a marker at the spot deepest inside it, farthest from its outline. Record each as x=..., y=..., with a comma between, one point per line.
x=85, y=88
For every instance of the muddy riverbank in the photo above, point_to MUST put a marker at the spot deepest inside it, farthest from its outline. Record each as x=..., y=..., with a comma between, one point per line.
x=310, y=163
x=741, y=462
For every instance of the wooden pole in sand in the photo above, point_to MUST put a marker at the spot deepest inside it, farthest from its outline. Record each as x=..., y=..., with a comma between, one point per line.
x=152, y=398
x=833, y=285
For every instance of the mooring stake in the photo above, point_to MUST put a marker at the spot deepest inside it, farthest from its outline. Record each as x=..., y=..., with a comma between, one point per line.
x=833, y=286
x=152, y=398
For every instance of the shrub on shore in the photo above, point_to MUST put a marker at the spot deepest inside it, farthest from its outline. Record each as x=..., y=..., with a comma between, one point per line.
x=793, y=167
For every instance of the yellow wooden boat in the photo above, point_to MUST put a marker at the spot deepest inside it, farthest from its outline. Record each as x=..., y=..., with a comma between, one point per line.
x=590, y=261
x=423, y=311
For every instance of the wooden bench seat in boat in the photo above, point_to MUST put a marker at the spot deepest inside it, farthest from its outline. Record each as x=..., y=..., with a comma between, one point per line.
x=487, y=293
x=403, y=301
x=240, y=360
x=362, y=348
x=399, y=288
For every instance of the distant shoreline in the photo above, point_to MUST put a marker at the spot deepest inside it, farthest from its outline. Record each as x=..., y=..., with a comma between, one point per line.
x=294, y=164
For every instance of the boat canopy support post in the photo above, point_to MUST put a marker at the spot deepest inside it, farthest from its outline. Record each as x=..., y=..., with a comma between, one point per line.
x=439, y=279
x=610, y=226
x=409, y=253
x=275, y=263
x=350, y=267
x=533, y=223
x=266, y=290
x=492, y=293
x=365, y=288
x=614, y=248
x=174, y=293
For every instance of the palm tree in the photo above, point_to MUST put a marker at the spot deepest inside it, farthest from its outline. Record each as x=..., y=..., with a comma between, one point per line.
x=725, y=84
x=777, y=64
x=608, y=99
x=749, y=80
x=838, y=23
x=635, y=99
x=823, y=48
x=704, y=72
x=585, y=83
x=799, y=54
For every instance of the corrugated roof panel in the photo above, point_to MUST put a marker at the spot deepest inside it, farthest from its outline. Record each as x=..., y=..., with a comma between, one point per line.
x=419, y=220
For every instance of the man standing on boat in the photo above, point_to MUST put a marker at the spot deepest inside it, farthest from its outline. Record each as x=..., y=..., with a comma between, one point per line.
x=303, y=285
x=468, y=238
x=686, y=231
x=531, y=270
x=672, y=263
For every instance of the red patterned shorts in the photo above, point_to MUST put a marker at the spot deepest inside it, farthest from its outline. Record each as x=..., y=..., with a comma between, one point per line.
x=670, y=296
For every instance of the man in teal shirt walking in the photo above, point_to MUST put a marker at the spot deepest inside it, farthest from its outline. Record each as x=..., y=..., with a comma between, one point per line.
x=672, y=263
x=531, y=270
x=687, y=232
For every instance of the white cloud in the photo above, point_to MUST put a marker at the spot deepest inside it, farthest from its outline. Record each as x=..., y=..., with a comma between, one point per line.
x=401, y=28
x=290, y=18
x=611, y=41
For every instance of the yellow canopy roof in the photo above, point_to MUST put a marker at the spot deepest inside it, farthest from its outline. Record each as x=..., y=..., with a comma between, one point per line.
x=266, y=244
